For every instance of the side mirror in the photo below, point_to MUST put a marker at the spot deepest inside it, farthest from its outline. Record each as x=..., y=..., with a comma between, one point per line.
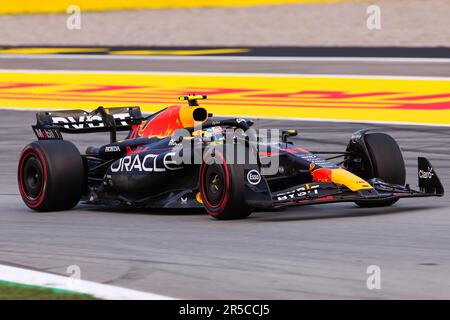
x=288, y=133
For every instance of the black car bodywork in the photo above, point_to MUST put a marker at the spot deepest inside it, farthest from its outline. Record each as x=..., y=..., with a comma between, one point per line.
x=144, y=170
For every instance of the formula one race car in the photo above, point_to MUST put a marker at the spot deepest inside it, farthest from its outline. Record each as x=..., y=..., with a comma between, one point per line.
x=180, y=157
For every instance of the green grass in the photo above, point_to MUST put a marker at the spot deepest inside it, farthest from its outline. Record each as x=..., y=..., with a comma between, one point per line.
x=15, y=291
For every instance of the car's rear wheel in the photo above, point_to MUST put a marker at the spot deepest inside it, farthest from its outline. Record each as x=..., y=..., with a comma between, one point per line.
x=388, y=164
x=51, y=175
x=223, y=188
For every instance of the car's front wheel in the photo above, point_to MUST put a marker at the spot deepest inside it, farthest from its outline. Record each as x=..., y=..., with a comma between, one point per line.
x=388, y=164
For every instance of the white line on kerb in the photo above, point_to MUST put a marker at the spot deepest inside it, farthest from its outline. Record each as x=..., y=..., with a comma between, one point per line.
x=225, y=58
x=103, y=291
x=224, y=74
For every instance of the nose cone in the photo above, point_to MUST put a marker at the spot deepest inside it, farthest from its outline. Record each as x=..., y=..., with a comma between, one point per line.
x=341, y=176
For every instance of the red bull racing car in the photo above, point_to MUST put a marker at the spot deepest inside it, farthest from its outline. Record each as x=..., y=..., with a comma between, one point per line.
x=182, y=157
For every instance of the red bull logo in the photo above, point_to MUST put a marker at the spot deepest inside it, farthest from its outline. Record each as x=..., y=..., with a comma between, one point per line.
x=322, y=175
x=162, y=125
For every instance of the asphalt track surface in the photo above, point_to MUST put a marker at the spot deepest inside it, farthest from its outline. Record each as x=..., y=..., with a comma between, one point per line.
x=315, y=252
x=326, y=65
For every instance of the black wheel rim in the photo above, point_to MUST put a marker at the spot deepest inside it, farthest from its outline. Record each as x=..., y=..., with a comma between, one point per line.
x=215, y=184
x=32, y=177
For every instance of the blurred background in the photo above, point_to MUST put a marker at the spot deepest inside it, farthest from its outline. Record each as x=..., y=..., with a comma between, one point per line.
x=226, y=23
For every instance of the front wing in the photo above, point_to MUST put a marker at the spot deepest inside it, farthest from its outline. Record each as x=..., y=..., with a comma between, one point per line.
x=319, y=193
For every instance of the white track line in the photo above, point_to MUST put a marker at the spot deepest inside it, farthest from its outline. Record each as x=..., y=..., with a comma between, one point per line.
x=345, y=121
x=12, y=108
x=225, y=74
x=42, y=279
x=226, y=58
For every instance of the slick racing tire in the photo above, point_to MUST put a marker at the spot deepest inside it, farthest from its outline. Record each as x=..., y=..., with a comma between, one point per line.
x=222, y=188
x=51, y=175
x=388, y=164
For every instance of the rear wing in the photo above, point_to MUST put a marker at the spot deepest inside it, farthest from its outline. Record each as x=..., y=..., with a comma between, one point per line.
x=50, y=124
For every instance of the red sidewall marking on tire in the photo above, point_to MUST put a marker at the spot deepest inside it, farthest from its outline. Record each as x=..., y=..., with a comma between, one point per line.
x=223, y=202
x=41, y=194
